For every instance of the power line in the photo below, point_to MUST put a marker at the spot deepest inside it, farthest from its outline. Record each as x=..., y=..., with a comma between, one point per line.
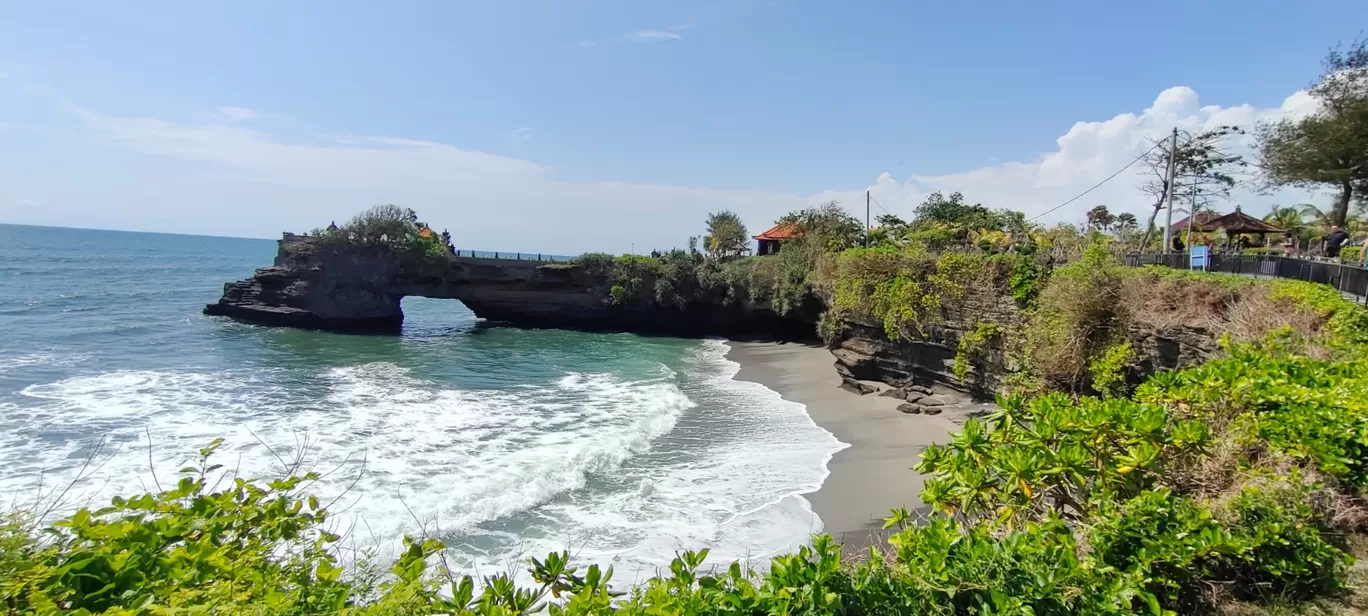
x=1095, y=186
x=876, y=202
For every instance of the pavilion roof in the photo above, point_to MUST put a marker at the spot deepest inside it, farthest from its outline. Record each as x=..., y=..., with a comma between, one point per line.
x=779, y=232
x=1234, y=222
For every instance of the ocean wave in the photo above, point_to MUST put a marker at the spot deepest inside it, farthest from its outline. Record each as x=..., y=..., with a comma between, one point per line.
x=729, y=477
x=458, y=456
x=622, y=471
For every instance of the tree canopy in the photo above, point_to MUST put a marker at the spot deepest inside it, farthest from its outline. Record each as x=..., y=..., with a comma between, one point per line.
x=827, y=226
x=727, y=235
x=1329, y=148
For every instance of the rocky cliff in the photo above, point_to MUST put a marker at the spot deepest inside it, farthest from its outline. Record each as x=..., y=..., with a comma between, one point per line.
x=360, y=288
x=864, y=352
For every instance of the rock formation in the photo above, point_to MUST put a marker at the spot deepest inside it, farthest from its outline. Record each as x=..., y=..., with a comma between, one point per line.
x=359, y=289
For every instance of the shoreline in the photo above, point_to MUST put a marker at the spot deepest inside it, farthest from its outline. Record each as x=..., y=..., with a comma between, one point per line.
x=873, y=474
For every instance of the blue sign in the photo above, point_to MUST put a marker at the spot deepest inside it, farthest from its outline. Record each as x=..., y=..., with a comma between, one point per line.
x=1199, y=257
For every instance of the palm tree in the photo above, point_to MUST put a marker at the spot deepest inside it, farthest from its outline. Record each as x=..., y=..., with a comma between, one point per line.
x=1288, y=217
x=1315, y=216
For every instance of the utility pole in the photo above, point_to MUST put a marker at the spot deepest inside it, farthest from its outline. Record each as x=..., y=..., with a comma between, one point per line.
x=1168, y=216
x=867, y=227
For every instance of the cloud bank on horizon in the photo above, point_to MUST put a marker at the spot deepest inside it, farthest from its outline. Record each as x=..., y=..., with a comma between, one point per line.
x=228, y=173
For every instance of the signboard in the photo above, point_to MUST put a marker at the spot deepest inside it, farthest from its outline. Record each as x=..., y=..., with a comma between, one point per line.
x=1199, y=257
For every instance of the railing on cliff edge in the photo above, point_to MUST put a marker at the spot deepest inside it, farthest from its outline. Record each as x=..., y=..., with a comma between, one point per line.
x=512, y=256
x=1350, y=279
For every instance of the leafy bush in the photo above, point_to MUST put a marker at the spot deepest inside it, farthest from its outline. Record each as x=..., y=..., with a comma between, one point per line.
x=1078, y=315
x=1108, y=369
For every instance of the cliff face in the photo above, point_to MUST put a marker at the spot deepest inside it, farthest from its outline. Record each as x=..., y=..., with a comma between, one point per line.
x=865, y=352
x=359, y=289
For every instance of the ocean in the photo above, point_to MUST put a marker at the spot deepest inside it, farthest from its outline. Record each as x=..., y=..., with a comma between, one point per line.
x=504, y=443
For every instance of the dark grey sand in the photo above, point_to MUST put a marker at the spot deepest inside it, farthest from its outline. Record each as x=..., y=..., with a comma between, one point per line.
x=874, y=474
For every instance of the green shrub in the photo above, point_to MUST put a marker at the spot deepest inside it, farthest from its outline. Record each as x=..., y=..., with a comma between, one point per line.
x=599, y=261
x=1314, y=411
x=1078, y=315
x=1109, y=368
x=971, y=346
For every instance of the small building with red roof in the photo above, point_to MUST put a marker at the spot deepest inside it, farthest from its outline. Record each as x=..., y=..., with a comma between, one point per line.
x=776, y=236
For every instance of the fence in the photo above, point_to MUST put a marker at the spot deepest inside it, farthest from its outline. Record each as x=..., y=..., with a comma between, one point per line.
x=1350, y=279
x=512, y=256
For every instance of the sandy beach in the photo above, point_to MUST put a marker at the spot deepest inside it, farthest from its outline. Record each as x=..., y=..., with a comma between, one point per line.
x=874, y=474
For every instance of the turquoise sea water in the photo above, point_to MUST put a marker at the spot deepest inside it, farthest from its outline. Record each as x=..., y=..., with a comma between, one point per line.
x=507, y=443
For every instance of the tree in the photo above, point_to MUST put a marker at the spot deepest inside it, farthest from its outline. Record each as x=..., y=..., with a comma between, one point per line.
x=1126, y=221
x=1328, y=148
x=1100, y=218
x=383, y=224
x=727, y=236
x=1204, y=171
x=954, y=212
x=826, y=227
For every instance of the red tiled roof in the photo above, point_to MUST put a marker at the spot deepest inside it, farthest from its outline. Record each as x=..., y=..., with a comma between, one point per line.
x=779, y=232
x=425, y=232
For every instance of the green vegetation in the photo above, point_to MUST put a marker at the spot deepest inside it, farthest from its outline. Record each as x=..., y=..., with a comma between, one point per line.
x=1329, y=148
x=387, y=226
x=971, y=345
x=727, y=236
x=1108, y=370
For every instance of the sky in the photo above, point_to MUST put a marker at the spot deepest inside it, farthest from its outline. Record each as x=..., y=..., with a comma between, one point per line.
x=565, y=127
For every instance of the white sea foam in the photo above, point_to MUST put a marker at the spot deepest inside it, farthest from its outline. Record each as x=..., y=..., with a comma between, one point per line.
x=619, y=471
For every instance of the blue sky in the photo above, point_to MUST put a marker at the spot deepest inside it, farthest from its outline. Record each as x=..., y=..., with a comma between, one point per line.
x=565, y=126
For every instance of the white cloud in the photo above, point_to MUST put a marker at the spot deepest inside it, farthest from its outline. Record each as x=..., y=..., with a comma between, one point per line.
x=1084, y=156
x=522, y=133
x=25, y=203
x=4, y=75
x=652, y=36
x=234, y=180
x=641, y=36
x=237, y=113
x=253, y=183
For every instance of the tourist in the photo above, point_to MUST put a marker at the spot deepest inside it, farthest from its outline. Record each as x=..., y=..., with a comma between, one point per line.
x=1289, y=244
x=1178, y=245
x=1334, y=241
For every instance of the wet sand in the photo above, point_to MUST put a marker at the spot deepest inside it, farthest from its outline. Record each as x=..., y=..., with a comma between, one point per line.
x=874, y=474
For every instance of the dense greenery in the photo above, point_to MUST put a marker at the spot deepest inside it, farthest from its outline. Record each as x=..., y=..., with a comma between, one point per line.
x=727, y=236
x=388, y=226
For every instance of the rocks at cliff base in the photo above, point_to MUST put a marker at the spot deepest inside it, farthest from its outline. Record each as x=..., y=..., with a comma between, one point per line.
x=894, y=393
x=856, y=387
x=910, y=409
x=933, y=401
x=922, y=389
